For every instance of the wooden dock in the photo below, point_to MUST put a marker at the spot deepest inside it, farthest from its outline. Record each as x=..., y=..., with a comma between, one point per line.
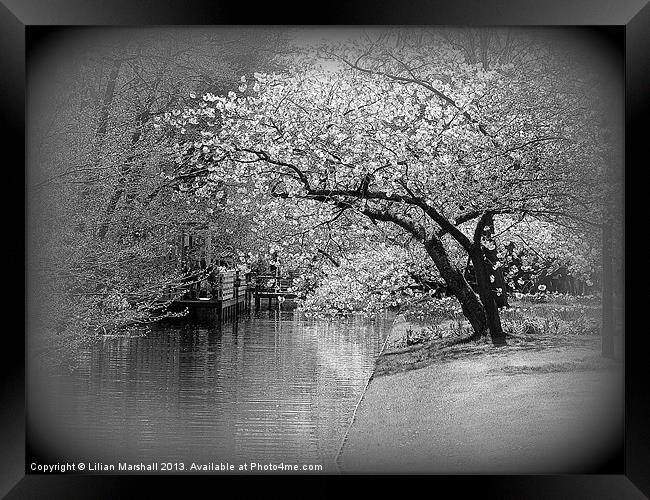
x=231, y=297
x=273, y=289
x=224, y=300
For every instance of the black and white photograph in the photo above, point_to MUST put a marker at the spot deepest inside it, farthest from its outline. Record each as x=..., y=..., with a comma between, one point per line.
x=324, y=250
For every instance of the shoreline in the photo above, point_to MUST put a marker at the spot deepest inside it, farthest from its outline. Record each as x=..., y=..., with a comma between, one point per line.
x=538, y=405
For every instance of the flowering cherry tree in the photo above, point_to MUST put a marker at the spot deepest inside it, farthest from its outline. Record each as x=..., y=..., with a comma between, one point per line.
x=407, y=134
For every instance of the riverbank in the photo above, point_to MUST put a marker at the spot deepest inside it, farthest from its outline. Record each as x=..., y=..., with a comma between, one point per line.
x=539, y=405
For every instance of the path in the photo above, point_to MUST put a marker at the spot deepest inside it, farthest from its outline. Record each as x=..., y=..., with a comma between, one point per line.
x=511, y=411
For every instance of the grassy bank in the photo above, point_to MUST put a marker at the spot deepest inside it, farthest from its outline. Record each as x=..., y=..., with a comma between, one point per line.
x=531, y=323
x=548, y=402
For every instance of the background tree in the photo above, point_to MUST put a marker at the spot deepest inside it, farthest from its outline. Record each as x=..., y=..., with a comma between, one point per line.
x=107, y=226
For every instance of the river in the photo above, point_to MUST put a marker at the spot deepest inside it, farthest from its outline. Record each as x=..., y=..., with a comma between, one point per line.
x=272, y=388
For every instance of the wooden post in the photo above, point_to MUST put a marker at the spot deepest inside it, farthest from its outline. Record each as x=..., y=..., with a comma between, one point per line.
x=236, y=284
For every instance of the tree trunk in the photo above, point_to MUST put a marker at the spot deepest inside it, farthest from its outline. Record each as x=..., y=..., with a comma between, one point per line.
x=471, y=306
x=141, y=119
x=499, y=286
x=102, y=126
x=607, y=333
x=612, y=217
x=612, y=220
x=482, y=269
x=485, y=277
x=125, y=169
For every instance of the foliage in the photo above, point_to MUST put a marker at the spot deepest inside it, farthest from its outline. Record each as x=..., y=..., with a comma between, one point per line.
x=538, y=255
x=370, y=281
x=332, y=131
x=407, y=130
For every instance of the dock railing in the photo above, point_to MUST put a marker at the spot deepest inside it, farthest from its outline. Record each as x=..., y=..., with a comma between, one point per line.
x=225, y=285
x=220, y=286
x=270, y=283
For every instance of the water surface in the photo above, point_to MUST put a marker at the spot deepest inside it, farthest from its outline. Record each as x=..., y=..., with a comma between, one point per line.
x=272, y=388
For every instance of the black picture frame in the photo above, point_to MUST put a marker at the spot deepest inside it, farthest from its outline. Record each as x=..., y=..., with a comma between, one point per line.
x=628, y=18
